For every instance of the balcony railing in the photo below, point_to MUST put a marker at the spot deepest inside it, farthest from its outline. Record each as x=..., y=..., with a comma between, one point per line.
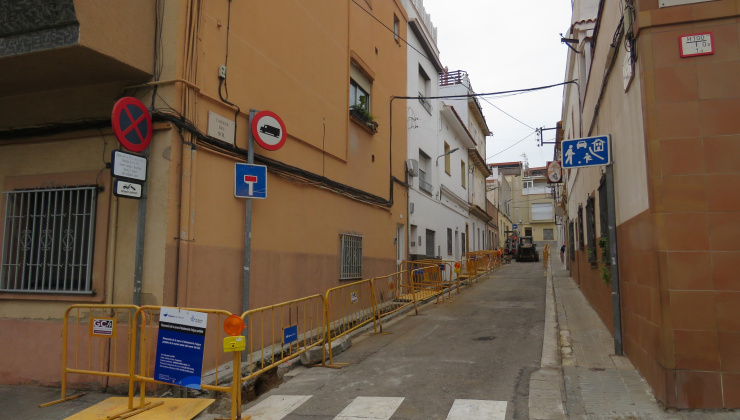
x=456, y=77
x=425, y=103
x=424, y=185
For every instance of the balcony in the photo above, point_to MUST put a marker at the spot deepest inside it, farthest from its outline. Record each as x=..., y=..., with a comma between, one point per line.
x=424, y=185
x=425, y=103
x=53, y=50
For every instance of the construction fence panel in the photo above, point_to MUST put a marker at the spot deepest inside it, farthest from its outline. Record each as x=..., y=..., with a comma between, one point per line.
x=96, y=341
x=393, y=293
x=447, y=274
x=217, y=373
x=348, y=308
x=278, y=333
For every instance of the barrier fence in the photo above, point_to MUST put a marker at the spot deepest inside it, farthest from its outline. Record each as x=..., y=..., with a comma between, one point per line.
x=119, y=342
x=101, y=344
x=348, y=308
x=278, y=333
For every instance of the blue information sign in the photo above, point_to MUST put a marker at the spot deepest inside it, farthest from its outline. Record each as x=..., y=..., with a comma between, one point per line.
x=590, y=151
x=514, y=226
x=179, y=358
x=290, y=334
x=250, y=181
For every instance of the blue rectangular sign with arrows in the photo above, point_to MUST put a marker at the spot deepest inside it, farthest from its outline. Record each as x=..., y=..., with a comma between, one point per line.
x=590, y=151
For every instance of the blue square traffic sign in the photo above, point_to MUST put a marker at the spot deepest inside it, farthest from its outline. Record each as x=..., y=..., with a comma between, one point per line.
x=590, y=151
x=250, y=181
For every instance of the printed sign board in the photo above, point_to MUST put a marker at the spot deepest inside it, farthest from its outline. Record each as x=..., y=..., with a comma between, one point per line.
x=126, y=165
x=179, y=358
x=290, y=334
x=127, y=189
x=220, y=127
x=353, y=297
x=696, y=44
x=102, y=327
x=554, y=172
x=590, y=151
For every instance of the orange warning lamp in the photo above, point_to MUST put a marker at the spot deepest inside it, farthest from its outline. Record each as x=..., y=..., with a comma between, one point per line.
x=234, y=325
x=457, y=265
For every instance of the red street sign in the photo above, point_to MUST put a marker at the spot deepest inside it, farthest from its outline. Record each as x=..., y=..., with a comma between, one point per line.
x=132, y=124
x=269, y=130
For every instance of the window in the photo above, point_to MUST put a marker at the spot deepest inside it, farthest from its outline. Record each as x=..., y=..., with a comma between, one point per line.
x=447, y=158
x=48, y=244
x=449, y=241
x=463, y=173
x=542, y=211
x=424, y=89
x=351, y=257
x=591, y=228
x=359, y=89
x=396, y=28
x=430, y=243
x=527, y=183
x=528, y=231
x=580, y=227
x=425, y=176
x=603, y=211
x=412, y=236
x=571, y=241
x=548, y=234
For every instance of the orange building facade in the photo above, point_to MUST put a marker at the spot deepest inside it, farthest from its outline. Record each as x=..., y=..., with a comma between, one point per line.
x=336, y=202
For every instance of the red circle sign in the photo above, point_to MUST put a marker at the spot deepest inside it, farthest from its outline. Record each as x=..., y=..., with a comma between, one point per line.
x=132, y=124
x=269, y=130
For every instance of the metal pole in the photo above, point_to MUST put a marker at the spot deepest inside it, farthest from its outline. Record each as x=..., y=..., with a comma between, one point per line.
x=612, y=214
x=140, y=232
x=248, y=221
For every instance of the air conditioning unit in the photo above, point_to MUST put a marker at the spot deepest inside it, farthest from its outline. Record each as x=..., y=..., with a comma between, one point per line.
x=412, y=167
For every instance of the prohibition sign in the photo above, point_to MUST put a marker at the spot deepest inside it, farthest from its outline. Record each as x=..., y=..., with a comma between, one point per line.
x=132, y=124
x=268, y=130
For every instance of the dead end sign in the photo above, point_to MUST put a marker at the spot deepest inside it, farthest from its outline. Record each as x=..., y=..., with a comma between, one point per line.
x=132, y=124
x=269, y=130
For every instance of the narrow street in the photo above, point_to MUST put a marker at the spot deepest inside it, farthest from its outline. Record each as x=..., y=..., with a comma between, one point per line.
x=481, y=345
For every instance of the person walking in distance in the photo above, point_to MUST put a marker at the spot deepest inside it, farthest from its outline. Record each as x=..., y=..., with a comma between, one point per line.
x=562, y=254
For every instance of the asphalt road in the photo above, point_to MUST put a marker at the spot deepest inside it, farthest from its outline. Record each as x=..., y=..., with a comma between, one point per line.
x=481, y=345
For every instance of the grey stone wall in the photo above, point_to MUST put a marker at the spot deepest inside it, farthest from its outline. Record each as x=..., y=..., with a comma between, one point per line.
x=36, y=25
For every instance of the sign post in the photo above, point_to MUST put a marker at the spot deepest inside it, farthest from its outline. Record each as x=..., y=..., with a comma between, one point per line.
x=596, y=151
x=268, y=130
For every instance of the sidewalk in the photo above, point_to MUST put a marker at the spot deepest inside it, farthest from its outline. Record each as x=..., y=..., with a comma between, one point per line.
x=595, y=383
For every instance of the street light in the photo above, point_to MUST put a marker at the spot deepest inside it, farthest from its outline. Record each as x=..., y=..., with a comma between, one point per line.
x=436, y=163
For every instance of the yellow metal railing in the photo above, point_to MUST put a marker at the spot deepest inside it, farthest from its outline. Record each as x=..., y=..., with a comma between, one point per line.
x=348, y=308
x=147, y=320
x=96, y=340
x=278, y=333
x=274, y=334
x=393, y=293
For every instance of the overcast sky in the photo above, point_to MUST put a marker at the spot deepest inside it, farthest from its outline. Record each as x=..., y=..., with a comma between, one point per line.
x=508, y=45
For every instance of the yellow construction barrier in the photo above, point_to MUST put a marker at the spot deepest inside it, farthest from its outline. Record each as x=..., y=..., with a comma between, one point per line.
x=393, y=293
x=449, y=278
x=96, y=340
x=348, y=308
x=426, y=279
x=147, y=320
x=278, y=333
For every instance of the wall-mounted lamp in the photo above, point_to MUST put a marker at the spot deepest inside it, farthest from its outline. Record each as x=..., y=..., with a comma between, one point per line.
x=436, y=163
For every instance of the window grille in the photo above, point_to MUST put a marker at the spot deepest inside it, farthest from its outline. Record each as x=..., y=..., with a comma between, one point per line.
x=351, y=256
x=48, y=241
x=548, y=234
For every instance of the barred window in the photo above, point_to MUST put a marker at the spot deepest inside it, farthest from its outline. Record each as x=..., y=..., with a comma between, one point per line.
x=48, y=241
x=351, y=256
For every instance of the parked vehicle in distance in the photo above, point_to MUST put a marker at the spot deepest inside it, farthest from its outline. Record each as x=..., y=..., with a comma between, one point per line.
x=527, y=250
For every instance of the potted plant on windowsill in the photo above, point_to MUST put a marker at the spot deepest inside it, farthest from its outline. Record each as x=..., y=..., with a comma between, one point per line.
x=363, y=116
